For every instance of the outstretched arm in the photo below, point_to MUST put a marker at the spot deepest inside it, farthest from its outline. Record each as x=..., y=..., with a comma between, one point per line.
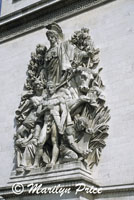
x=64, y=113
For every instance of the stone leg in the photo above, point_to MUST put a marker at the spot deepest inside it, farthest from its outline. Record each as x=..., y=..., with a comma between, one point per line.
x=54, y=138
x=42, y=140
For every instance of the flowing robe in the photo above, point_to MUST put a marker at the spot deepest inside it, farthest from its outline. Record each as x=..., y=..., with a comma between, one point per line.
x=57, y=61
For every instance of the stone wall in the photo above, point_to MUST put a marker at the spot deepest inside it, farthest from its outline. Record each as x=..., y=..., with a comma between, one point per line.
x=9, y=6
x=111, y=27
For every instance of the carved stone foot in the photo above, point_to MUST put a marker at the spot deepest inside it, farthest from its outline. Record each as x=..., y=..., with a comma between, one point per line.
x=20, y=170
x=50, y=165
x=35, y=166
x=32, y=167
x=28, y=169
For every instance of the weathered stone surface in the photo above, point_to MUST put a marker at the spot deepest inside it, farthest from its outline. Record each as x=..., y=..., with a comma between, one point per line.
x=9, y=6
x=72, y=178
x=62, y=116
x=40, y=14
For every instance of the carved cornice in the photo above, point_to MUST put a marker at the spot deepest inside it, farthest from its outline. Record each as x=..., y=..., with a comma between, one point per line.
x=40, y=14
x=6, y=191
x=66, y=177
x=118, y=188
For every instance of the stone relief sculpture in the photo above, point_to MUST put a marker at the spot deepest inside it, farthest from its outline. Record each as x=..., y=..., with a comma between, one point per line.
x=62, y=116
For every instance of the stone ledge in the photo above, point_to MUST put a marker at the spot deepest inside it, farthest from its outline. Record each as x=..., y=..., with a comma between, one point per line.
x=118, y=188
x=59, y=173
x=16, y=15
x=6, y=191
x=66, y=175
x=30, y=19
